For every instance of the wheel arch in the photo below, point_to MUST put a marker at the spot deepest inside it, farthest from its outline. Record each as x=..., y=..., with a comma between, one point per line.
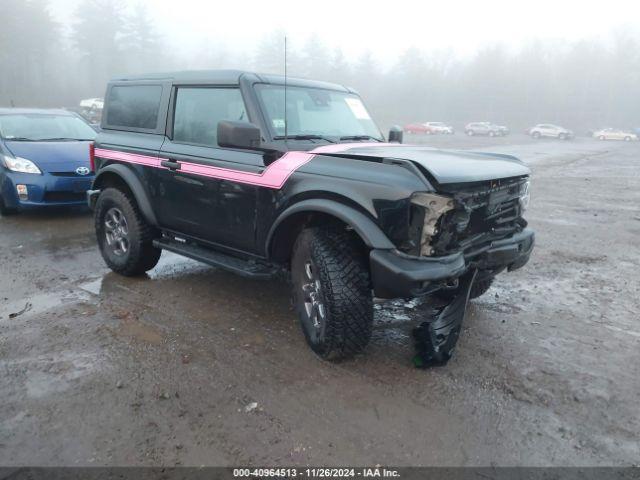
x=119, y=176
x=289, y=223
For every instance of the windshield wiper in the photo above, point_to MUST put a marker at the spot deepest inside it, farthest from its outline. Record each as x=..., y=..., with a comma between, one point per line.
x=20, y=139
x=305, y=137
x=360, y=137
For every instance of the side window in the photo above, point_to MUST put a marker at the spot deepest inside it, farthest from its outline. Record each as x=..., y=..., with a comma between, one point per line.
x=198, y=111
x=134, y=106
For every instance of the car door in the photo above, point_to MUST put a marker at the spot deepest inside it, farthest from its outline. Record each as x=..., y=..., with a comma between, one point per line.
x=195, y=191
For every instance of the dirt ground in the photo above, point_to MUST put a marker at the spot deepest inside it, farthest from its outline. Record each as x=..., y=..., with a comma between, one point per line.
x=195, y=366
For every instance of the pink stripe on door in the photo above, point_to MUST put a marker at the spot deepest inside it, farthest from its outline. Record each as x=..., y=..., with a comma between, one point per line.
x=274, y=176
x=129, y=157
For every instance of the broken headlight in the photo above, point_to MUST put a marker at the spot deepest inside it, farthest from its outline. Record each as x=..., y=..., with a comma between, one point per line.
x=525, y=196
x=434, y=206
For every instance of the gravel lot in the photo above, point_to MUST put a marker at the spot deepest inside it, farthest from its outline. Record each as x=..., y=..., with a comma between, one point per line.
x=195, y=366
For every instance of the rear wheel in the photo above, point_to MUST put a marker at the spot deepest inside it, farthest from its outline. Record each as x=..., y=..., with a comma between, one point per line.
x=332, y=292
x=492, y=134
x=562, y=136
x=602, y=137
x=470, y=133
x=627, y=139
x=535, y=135
x=124, y=237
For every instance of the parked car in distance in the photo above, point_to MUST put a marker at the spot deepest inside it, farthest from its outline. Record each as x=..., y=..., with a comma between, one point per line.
x=504, y=130
x=204, y=165
x=483, y=128
x=614, y=134
x=551, y=131
x=429, y=128
x=440, y=127
x=44, y=159
x=92, y=103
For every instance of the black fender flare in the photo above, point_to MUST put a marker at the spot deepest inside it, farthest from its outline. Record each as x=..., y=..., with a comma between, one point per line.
x=366, y=228
x=134, y=184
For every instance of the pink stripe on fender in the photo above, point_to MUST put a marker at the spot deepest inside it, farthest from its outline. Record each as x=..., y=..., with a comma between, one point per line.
x=342, y=147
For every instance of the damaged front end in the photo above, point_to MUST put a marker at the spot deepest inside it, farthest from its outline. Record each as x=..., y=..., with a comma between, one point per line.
x=467, y=218
x=462, y=233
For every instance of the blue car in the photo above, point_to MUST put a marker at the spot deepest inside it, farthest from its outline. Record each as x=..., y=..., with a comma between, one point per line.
x=44, y=159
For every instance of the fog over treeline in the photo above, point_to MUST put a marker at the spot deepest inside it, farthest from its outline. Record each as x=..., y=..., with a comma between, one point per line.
x=584, y=84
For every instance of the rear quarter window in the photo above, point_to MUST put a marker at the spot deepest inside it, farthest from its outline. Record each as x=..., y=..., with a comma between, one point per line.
x=133, y=107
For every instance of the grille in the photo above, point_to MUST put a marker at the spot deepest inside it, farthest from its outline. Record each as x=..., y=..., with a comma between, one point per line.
x=64, y=196
x=484, y=213
x=67, y=174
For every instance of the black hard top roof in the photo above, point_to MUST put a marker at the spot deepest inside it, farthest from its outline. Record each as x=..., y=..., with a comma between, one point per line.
x=228, y=77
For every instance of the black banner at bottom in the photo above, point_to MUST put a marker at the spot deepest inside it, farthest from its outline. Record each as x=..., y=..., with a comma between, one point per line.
x=405, y=473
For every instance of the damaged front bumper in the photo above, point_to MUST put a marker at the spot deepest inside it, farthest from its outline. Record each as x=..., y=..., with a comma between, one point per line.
x=397, y=275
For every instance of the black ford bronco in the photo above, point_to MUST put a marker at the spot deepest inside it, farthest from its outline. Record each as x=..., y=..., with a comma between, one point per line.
x=260, y=175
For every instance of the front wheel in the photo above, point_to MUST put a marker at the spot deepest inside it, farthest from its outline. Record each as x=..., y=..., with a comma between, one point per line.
x=627, y=139
x=4, y=210
x=124, y=236
x=332, y=292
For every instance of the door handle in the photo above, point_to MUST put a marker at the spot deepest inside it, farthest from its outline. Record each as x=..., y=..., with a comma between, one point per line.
x=171, y=165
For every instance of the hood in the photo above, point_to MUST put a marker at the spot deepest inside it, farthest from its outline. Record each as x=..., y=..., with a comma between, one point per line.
x=53, y=156
x=446, y=166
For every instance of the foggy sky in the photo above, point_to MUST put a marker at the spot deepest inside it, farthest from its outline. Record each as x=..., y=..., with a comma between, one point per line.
x=386, y=28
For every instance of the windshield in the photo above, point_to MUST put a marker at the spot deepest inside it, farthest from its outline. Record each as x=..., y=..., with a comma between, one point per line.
x=314, y=111
x=39, y=127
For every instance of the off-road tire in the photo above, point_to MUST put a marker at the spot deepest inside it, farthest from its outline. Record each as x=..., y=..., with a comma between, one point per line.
x=141, y=255
x=4, y=210
x=339, y=262
x=479, y=288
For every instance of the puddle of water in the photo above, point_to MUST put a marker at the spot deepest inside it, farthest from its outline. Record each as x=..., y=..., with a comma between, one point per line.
x=46, y=375
x=35, y=304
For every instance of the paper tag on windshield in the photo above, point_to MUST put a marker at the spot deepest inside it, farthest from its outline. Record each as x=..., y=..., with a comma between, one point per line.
x=356, y=106
x=278, y=122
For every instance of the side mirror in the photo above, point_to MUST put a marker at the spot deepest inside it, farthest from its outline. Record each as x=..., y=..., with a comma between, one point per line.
x=395, y=134
x=238, y=135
